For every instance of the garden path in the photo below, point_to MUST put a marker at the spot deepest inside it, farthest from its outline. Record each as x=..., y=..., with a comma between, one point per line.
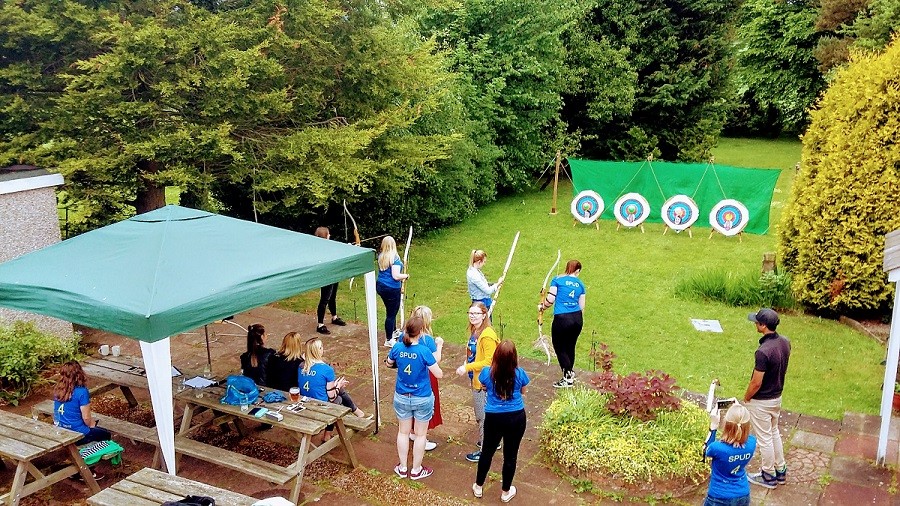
x=830, y=462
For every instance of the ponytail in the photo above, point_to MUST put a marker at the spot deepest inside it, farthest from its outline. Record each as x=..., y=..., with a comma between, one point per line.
x=412, y=330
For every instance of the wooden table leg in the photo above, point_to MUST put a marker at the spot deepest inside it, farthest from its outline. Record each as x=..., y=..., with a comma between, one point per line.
x=129, y=396
x=18, y=482
x=300, y=467
x=83, y=468
x=345, y=441
x=184, y=429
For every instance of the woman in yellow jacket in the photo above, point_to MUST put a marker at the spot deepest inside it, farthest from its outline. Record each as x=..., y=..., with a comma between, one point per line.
x=479, y=354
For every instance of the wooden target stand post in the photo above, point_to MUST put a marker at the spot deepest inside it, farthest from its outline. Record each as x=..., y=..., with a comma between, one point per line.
x=740, y=235
x=688, y=230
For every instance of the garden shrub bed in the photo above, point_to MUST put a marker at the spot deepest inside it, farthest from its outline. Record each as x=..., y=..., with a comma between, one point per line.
x=623, y=455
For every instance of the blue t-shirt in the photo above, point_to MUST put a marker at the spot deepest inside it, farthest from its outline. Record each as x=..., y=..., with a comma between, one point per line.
x=568, y=290
x=429, y=342
x=471, y=349
x=728, y=479
x=68, y=414
x=494, y=403
x=412, y=368
x=315, y=383
x=386, y=277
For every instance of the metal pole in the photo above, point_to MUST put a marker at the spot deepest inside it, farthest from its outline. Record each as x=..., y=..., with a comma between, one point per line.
x=556, y=182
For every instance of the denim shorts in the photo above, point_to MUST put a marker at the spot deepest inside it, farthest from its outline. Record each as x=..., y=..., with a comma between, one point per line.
x=736, y=501
x=420, y=408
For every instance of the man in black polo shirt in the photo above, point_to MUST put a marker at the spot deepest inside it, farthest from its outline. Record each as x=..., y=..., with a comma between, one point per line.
x=763, y=398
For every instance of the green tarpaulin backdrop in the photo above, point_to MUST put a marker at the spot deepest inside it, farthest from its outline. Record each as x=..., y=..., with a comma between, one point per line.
x=752, y=187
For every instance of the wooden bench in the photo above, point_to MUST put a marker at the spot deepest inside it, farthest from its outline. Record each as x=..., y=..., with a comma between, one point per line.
x=272, y=473
x=148, y=487
x=129, y=430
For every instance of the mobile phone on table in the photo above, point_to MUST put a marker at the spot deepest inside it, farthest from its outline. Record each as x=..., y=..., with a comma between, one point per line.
x=259, y=412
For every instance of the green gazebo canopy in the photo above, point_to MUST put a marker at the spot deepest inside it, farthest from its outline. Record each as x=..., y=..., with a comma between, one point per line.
x=171, y=270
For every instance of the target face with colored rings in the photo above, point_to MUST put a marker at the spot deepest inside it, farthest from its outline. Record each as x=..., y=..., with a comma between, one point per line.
x=680, y=212
x=587, y=206
x=729, y=217
x=632, y=209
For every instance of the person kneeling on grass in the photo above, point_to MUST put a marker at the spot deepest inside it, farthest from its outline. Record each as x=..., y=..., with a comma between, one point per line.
x=728, y=483
x=413, y=398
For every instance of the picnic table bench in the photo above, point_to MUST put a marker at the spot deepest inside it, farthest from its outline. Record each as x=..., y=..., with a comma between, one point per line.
x=302, y=426
x=22, y=440
x=149, y=487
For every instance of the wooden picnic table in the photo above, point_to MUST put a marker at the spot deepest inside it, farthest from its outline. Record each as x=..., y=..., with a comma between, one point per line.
x=302, y=426
x=122, y=372
x=22, y=440
x=149, y=487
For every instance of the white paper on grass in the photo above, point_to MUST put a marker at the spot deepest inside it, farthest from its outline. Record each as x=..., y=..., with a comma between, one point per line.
x=706, y=325
x=199, y=382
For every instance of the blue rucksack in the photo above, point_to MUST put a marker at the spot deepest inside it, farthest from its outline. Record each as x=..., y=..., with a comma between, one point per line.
x=239, y=390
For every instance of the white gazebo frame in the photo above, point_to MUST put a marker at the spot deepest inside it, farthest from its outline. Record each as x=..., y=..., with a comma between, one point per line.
x=892, y=267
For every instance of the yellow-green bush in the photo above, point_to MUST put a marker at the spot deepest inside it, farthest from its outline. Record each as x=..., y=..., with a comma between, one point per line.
x=580, y=434
x=24, y=352
x=847, y=194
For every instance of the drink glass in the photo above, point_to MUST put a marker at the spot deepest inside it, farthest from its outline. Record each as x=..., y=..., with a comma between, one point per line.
x=245, y=407
x=295, y=394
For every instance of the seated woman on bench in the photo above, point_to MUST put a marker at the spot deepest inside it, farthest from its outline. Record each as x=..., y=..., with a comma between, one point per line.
x=317, y=381
x=72, y=405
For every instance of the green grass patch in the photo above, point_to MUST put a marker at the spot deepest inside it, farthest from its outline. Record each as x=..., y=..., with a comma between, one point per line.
x=631, y=303
x=749, y=289
x=579, y=433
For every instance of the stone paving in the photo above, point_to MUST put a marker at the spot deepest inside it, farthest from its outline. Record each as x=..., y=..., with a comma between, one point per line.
x=830, y=462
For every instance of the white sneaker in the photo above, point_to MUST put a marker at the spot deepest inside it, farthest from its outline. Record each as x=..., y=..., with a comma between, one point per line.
x=507, y=496
x=429, y=444
x=389, y=343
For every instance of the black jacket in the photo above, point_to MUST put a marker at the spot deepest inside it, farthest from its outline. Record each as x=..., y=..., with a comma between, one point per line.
x=283, y=372
x=258, y=373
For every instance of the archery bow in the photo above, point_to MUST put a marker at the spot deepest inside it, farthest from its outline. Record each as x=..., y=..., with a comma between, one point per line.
x=356, y=240
x=505, y=268
x=542, y=339
x=403, y=283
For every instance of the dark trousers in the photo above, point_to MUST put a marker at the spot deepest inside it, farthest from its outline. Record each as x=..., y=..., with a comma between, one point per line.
x=391, y=299
x=508, y=427
x=95, y=434
x=343, y=398
x=328, y=298
x=565, y=331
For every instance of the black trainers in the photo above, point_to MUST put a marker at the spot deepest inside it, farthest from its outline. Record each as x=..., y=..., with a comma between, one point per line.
x=322, y=329
x=781, y=475
x=763, y=479
x=337, y=321
x=562, y=383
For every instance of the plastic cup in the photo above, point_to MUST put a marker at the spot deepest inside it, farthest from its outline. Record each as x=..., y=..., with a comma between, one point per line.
x=295, y=394
x=116, y=350
x=104, y=350
x=245, y=407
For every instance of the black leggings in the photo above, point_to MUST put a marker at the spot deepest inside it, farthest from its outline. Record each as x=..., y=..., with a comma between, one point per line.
x=328, y=297
x=565, y=331
x=343, y=398
x=509, y=427
x=95, y=434
x=391, y=299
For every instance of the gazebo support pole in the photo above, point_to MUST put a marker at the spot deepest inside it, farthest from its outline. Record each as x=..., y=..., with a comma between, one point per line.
x=372, y=320
x=890, y=377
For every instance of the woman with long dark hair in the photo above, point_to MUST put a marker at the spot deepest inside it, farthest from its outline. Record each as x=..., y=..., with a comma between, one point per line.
x=479, y=354
x=728, y=483
x=566, y=295
x=327, y=297
x=504, y=419
x=72, y=405
x=255, y=360
x=413, y=398
x=388, y=286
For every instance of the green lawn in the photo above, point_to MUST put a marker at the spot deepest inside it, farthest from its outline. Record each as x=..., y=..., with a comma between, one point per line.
x=630, y=279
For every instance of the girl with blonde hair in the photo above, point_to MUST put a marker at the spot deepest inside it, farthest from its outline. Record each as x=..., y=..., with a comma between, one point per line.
x=284, y=366
x=479, y=354
x=436, y=345
x=388, y=285
x=728, y=483
x=479, y=288
x=317, y=379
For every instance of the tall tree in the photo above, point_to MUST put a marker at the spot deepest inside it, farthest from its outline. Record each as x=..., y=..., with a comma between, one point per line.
x=776, y=70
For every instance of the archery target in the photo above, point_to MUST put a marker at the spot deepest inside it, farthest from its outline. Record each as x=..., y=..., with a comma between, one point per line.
x=729, y=217
x=632, y=209
x=587, y=206
x=680, y=212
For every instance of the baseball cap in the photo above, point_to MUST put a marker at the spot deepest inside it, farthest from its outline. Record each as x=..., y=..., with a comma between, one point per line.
x=765, y=316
